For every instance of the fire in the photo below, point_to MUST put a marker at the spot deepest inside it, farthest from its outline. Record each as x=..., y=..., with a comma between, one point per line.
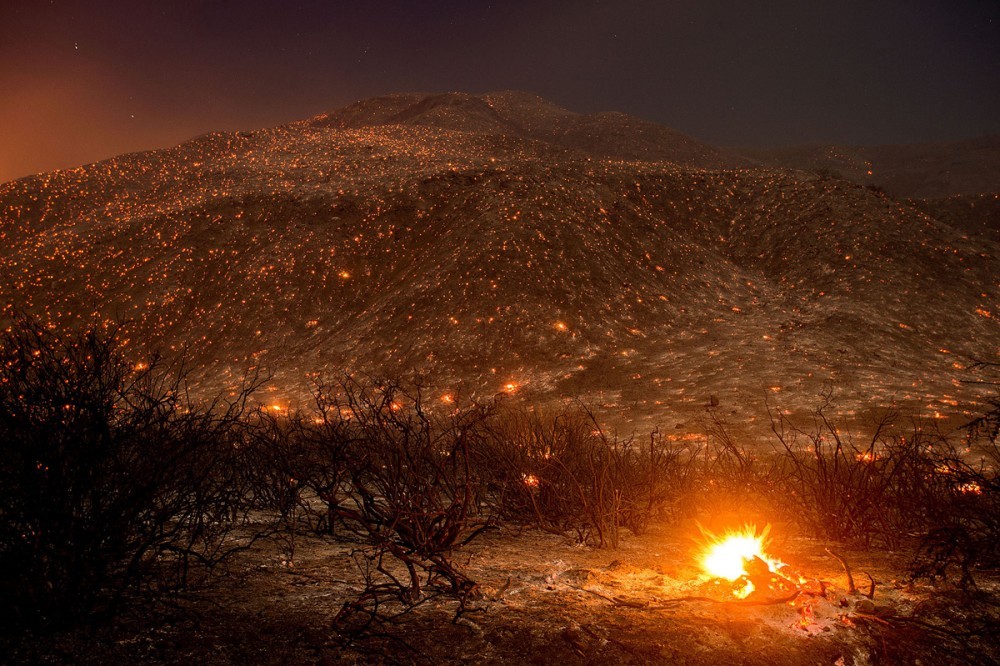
x=727, y=556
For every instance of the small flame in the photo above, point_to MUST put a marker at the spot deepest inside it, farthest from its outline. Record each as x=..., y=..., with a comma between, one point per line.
x=745, y=591
x=807, y=616
x=726, y=556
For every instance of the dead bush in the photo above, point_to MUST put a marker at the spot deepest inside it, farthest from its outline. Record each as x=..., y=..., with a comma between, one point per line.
x=846, y=490
x=564, y=473
x=730, y=474
x=962, y=514
x=891, y=491
x=111, y=481
x=407, y=492
x=305, y=466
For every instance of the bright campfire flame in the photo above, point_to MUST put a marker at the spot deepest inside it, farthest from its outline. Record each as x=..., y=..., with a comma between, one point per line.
x=727, y=556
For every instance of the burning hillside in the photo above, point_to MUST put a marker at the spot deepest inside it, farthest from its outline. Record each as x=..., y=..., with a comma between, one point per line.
x=498, y=241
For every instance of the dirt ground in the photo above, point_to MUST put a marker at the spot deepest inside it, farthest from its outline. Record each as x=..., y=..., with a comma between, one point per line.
x=544, y=600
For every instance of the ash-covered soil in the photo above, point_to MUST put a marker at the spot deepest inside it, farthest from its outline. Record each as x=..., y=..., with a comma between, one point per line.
x=544, y=600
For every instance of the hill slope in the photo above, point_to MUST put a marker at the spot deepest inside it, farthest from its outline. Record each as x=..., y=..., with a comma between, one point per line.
x=925, y=171
x=409, y=233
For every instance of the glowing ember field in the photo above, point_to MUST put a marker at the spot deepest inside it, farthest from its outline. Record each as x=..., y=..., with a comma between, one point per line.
x=635, y=269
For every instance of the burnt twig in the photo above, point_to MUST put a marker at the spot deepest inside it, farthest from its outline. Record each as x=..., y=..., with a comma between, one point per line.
x=871, y=589
x=851, y=589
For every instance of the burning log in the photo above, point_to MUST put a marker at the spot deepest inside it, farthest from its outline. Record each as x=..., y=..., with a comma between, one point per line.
x=740, y=559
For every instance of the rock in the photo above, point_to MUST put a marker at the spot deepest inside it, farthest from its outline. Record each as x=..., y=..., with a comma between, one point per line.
x=865, y=606
x=577, y=576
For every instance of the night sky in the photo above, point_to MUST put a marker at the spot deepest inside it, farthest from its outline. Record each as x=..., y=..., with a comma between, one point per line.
x=82, y=81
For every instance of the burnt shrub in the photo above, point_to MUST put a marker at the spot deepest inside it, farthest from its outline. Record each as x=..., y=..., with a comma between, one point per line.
x=399, y=478
x=110, y=480
x=535, y=464
x=653, y=474
x=869, y=492
x=840, y=489
x=563, y=473
x=734, y=478
x=302, y=468
x=893, y=490
x=963, y=516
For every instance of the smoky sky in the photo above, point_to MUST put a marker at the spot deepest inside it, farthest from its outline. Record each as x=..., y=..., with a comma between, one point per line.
x=81, y=81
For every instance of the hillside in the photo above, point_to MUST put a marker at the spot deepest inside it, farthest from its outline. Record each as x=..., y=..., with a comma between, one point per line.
x=497, y=244
x=921, y=171
x=977, y=215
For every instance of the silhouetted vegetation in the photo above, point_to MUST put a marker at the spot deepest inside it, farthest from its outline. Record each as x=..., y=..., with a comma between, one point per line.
x=114, y=482
x=111, y=480
x=891, y=490
x=562, y=472
x=407, y=492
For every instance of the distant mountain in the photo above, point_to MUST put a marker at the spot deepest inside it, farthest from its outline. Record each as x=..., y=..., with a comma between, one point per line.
x=524, y=115
x=924, y=171
x=498, y=243
x=975, y=215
